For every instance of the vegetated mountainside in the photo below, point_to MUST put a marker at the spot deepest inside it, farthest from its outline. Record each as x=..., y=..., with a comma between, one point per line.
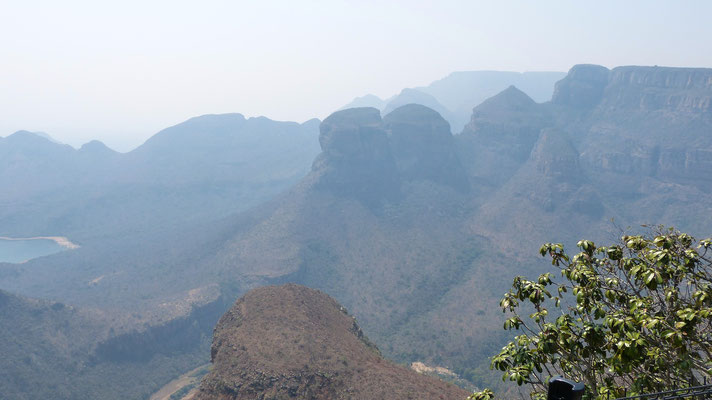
x=422, y=256
x=52, y=350
x=455, y=95
x=631, y=143
x=205, y=168
x=381, y=224
x=419, y=232
x=284, y=342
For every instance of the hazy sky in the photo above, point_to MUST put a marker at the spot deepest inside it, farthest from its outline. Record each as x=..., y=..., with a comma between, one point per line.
x=120, y=71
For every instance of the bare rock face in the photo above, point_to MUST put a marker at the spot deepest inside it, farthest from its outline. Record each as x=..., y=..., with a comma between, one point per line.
x=642, y=121
x=501, y=134
x=657, y=88
x=423, y=147
x=414, y=96
x=294, y=342
x=356, y=159
x=368, y=158
x=555, y=156
x=583, y=86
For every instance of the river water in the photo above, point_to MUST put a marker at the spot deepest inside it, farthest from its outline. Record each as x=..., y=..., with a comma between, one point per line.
x=17, y=251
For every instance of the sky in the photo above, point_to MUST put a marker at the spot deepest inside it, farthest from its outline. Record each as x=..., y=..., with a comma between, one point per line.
x=121, y=71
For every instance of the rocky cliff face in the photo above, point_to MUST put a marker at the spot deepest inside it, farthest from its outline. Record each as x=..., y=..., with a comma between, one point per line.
x=611, y=143
x=501, y=134
x=423, y=146
x=423, y=271
x=414, y=96
x=657, y=88
x=295, y=342
x=555, y=156
x=356, y=159
x=368, y=158
x=635, y=88
x=583, y=86
x=645, y=121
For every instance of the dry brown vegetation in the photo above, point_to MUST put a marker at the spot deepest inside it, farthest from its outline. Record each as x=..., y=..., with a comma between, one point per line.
x=294, y=342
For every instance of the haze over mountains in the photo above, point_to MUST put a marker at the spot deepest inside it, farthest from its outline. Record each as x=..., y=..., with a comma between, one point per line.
x=415, y=230
x=454, y=96
x=226, y=161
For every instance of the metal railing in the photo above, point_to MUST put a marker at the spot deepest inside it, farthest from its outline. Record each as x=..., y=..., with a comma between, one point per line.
x=564, y=389
x=694, y=392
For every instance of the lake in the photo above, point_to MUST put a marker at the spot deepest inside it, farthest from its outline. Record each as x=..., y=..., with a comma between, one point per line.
x=17, y=251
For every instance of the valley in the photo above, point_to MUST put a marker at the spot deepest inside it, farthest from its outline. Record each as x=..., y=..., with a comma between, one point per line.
x=415, y=230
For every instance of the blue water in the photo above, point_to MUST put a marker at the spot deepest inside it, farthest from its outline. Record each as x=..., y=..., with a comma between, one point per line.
x=17, y=251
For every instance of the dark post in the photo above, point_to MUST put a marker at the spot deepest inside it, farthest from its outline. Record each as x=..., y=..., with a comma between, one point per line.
x=561, y=388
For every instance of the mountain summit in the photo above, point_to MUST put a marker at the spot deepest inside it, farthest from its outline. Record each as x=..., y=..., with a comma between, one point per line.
x=283, y=342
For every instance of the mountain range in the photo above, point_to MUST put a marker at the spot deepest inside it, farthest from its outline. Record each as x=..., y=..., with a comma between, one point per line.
x=415, y=230
x=454, y=96
x=227, y=161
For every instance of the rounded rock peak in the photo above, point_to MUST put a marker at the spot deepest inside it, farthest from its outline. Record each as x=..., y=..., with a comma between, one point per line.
x=590, y=72
x=352, y=131
x=95, y=146
x=582, y=87
x=352, y=117
x=413, y=114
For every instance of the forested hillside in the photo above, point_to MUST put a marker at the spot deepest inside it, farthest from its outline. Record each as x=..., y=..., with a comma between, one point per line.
x=416, y=231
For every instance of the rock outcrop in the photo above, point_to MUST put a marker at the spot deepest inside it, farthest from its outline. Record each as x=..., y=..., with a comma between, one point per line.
x=356, y=159
x=583, y=86
x=501, y=134
x=294, y=342
x=657, y=88
x=423, y=146
x=415, y=96
x=368, y=158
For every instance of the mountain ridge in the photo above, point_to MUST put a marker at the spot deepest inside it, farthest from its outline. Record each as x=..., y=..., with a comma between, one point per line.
x=420, y=261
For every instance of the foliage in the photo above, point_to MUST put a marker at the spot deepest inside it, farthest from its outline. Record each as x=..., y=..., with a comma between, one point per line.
x=633, y=317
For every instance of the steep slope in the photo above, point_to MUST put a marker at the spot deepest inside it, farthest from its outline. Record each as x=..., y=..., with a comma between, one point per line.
x=294, y=342
x=422, y=263
x=500, y=135
x=52, y=350
x=386, y=237
x=423, y=147
x=385, y=223
x=630, y=143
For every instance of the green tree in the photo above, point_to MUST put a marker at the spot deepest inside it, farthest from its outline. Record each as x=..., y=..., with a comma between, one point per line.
x=632, y=317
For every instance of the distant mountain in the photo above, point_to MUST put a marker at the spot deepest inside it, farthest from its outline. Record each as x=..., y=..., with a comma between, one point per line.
x=294, y=342
x=461, y=91
x=611, y=143
x=414, y=96
x=457, y=94
x=205, y=168
x=418, y=231
x=368, y=100
x=422, y=257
